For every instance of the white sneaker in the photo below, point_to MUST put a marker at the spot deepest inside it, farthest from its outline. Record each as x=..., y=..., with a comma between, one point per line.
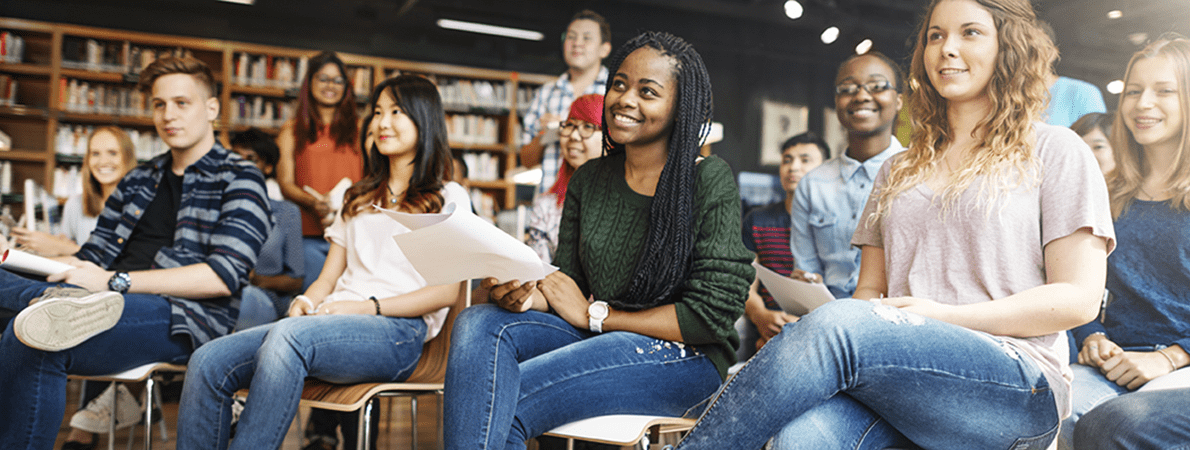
x=56, y=324
x=96, y=416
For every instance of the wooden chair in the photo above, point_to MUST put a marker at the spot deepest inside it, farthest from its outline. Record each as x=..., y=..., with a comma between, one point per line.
x=148, y=374
x=623, y=430
x=427, y=378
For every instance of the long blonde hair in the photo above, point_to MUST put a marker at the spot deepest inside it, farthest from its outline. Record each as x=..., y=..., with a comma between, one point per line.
x=1018, y=91
x=1124, y=183
x=92, y=191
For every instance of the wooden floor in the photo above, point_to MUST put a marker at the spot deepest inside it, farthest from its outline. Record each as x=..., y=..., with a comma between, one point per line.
x=394, y=426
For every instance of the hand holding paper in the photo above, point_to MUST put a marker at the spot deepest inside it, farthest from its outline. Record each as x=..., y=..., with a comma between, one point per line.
x=19, y=261
x=795, y=297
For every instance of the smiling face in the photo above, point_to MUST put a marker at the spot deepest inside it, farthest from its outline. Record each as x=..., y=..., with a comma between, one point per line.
x=796, y=162
x=576, y=149
x=183, y=111
x=865, y=112
x=394, y=132
x=641, y=98
x=961, y=50
x=1101, y=148
x=104, y=159
x=1150, y=105
x=328, y=85
x=583, y=47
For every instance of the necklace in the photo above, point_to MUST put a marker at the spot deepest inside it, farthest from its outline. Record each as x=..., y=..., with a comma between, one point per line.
x=1151, y=196
x=393, y=200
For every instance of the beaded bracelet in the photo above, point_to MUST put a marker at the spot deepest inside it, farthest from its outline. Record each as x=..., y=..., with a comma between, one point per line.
x=377, y=303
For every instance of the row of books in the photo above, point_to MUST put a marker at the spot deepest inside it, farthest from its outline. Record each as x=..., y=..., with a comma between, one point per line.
x=12, y=47
x=101, y=98
x=267, y=71
x=8, y=90
x=71, y=140
x=472, y=129
x=465, y=94
x=257, y=111
x=111, y=56
x=482, y=166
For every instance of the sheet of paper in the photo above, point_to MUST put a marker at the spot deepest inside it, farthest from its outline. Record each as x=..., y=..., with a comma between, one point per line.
x=795, y=297
x=19, y=261
x=454, y=245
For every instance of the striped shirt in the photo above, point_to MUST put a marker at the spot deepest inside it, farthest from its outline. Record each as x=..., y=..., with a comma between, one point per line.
x=554, y=98
x=223, y=221
x=766, y=233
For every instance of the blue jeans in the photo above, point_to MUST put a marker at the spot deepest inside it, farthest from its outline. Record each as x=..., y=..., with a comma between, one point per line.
x=274, y=359
x=857, y=375
x=1153, y=420
x=33, y=382
x=1091, y=389
x=314, y=250
x=512, y=376
x=256, y=308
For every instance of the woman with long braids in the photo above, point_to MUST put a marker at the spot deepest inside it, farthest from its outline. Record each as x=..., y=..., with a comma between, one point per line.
x=989, y=236
x=368, y=314
x=652, y=275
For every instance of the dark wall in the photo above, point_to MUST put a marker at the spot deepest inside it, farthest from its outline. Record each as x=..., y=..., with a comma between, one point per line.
x=749, y=60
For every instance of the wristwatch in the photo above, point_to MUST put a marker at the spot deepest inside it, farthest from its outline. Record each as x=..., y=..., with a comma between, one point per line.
x=596, y=313
x=120, y=282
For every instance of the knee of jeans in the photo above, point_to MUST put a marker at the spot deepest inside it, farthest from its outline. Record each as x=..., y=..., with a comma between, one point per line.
x=285, y=340
x=476, y=321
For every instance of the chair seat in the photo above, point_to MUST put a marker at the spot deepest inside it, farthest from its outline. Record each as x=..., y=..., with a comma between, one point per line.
x=134, y=374
x=352, y=397
x=619, y=429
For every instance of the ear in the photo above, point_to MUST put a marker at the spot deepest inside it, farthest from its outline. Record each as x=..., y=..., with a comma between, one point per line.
x=605, y=49
x=900, y=101
x=269, y=170
x=212, y=108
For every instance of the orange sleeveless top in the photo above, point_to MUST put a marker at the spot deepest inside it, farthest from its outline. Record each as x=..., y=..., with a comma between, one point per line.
x=321, y=165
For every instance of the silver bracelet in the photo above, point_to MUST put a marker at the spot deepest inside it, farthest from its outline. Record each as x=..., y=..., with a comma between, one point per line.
x=1172, y=366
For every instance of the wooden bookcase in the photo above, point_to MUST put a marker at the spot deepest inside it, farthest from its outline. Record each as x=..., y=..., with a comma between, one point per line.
x=72, y=77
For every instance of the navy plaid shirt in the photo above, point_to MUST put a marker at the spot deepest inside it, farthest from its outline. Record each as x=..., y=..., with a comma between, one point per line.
x=223, y=221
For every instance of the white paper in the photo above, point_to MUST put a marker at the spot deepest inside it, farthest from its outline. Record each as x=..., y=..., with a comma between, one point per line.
x=454, y=245
x=19, y=261
x=795, y=297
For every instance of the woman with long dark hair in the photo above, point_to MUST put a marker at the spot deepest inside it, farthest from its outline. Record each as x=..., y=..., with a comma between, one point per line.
x=652, y=235
x=369, y=312
x=980, y=244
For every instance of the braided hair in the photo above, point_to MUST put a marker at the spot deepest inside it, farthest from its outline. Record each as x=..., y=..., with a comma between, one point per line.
x=664, y=263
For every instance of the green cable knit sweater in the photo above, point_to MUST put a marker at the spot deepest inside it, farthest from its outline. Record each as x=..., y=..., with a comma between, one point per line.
x=603, y=229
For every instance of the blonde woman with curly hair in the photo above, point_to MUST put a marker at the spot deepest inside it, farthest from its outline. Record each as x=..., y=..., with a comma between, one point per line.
x=980, y=244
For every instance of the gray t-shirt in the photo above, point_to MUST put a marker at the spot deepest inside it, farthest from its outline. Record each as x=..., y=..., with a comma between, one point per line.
x=969, y=256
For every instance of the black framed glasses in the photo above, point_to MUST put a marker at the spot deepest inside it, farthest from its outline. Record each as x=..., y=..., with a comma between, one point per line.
x=585, y=129
x=873, y=87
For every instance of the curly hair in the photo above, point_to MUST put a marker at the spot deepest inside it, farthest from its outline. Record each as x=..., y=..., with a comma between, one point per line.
x=665, y=260
x=1124, y=183
x=1018, y=92
x=307, y=123
x=418, y=98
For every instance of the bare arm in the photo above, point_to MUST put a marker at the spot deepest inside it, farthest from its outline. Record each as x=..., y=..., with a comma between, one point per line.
x=531, y=152
x=872, y=282
x=414, y=304
x=195, y=281
x=279, y=283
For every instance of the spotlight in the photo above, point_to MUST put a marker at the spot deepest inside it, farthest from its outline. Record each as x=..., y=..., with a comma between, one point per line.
x=830, y=35
x=1115, y=14
x=793, y=9
x=863, y=46
x=1115, y=87
x=484, y=28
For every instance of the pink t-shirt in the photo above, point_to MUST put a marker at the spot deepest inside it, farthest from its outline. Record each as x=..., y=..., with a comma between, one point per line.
x=968, y=256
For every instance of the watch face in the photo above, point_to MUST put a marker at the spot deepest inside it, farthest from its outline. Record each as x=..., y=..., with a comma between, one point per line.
x=598, y=310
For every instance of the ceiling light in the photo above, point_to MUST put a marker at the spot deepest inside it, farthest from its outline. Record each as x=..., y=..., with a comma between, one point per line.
x=863, y=46
x=1138, y=38
x=1115, y=87
x=1115, y=14
x=482, y=28
x=242, y=2
x=793, y=9
x=830, y=35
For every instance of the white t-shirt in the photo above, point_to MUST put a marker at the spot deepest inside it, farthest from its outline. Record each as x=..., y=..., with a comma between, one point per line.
x=76, y=225
x=376, y=267
x=969, y=257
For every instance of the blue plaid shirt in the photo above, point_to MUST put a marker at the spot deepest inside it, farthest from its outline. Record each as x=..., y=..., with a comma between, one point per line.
x=554, y=98
x=223, y=221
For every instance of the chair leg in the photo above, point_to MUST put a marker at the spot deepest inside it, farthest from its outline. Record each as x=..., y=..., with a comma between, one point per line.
x=111, y=423
x=364, y=433
x=161, y=421
x=413, y=419
x=150, y=388
x=441, y=431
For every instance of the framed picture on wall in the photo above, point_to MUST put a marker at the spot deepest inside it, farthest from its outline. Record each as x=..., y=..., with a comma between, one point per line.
x=781, y=121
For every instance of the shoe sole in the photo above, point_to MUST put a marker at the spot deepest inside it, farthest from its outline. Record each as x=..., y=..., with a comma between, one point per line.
x=58, y=324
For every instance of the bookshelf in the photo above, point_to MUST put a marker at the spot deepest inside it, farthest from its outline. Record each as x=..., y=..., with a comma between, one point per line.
x=58, y=81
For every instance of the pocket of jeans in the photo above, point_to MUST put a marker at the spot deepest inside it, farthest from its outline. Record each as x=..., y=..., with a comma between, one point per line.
x=1040, y=442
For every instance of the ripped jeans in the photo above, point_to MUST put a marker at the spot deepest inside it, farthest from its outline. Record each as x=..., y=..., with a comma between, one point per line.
x=513, y=376
x=856, y=375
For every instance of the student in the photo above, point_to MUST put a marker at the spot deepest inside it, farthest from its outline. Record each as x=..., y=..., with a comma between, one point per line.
x=1152, y=420
x=541, y=354
x=587, y=41
x=1142, y=340
x=177, y=238
x=580, y=140
x=367, y=315
x=1095, y=129
x=279, y=269
x=1070, y=98
x=987, y=204
x=828, y=201
x=767, y=231
x=319, y=147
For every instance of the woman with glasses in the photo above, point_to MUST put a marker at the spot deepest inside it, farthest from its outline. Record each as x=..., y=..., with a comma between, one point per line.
x=828, y=200
x=580, y=140
x=319, y=147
